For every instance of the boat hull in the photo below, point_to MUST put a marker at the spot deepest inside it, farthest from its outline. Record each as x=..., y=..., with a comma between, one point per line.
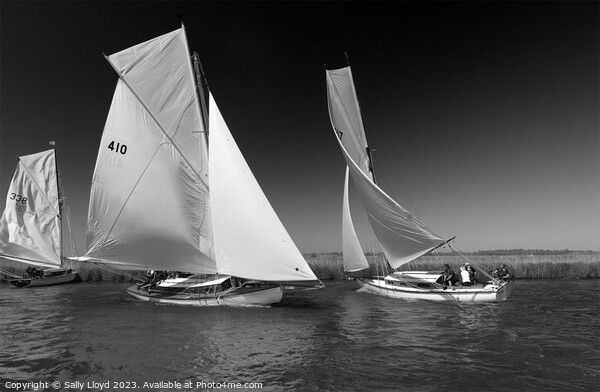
x=45, y=281
x=236, y=297
x=488, y=292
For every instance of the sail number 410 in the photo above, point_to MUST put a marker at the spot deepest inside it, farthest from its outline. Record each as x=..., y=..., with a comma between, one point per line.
x=122, y=148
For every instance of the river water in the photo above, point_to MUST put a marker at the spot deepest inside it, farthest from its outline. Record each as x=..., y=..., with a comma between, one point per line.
x=93, y=336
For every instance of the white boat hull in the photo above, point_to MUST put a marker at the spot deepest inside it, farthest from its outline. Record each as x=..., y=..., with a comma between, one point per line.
x=428, y=276
x=44, y=281
x=487, y=292
x=236, y=297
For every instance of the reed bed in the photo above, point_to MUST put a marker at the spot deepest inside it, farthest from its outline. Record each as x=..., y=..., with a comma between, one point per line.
x=328, y=266
x=571, y=265
x=86, y=271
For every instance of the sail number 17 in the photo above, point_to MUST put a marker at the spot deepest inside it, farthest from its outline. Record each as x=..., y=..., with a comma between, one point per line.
x=119, y=148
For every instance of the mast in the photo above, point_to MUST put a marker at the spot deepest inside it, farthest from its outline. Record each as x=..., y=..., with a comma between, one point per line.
x=60, y=201
x=371, y=167
x=200, y=82
x=368, y=149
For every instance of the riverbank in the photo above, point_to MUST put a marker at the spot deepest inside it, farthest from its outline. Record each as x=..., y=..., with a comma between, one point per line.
x=328, y=266
x=571, y=265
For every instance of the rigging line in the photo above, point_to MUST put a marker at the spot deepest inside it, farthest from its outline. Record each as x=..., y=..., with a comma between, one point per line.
x=483, y=271
x=160, y=126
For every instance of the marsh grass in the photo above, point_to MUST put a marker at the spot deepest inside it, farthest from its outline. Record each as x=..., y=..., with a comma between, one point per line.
x=328, y=266
x=571, y=265
x=86, y=271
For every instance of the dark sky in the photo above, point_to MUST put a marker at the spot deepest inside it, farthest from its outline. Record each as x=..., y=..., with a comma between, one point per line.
x=484, y=115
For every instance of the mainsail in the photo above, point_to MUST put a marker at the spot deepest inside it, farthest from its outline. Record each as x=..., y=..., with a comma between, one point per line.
x=30, y=227
x=346, y=119
x=149, y=202
x=402, y=236
x=159, y=200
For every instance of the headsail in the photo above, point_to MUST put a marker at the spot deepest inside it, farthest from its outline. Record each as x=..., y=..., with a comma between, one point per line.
x=402, y=236
x=353, y=255
x=149, y=202
x=30, y=227
x=250, y=240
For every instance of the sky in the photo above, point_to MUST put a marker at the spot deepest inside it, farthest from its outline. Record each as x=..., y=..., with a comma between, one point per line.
x=484, y=116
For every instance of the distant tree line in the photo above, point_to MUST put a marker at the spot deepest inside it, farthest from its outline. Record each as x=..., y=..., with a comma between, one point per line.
x=522, y=252
x=496, y=252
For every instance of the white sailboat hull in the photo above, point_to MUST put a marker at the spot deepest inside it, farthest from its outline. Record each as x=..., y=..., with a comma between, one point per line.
x=487, y=292
x=428, y=276
x=67, y=277
x=236, y=297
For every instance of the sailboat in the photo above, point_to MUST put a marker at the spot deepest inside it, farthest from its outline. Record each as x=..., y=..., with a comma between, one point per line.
x=31, y=224
x=172, y=194
x=402, y=237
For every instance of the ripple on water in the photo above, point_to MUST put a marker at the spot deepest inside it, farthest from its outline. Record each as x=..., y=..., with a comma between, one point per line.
x=335, y=339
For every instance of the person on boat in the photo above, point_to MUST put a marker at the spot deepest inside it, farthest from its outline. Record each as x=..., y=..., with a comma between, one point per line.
x=501, y=273
x=448, y=277
x=30, y=271
x=471, y=272
x=465, y=276
x=147, y=280
x=34, y=273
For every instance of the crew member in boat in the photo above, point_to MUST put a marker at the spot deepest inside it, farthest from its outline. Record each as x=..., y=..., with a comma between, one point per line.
x=501, y=273
x=465, y=276
x=471, y=272
x=448, y=277
x=33, y=272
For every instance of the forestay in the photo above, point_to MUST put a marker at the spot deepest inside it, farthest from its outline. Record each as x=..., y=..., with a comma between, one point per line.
x=30, y=227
